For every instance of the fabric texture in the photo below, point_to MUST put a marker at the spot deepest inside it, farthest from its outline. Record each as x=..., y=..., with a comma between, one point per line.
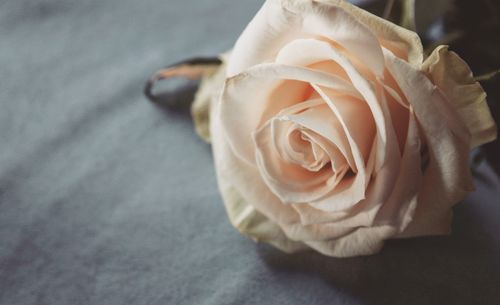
x=106, y=198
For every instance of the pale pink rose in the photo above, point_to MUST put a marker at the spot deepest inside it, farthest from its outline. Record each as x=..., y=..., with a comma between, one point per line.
x=332, y=133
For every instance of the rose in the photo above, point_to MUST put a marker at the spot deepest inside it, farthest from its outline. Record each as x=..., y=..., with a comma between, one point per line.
x=331, y=132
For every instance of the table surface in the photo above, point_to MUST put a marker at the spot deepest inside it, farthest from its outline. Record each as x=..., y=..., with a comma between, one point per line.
x=106, y=198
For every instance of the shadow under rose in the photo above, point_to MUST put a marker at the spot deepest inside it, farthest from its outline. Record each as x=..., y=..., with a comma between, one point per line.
x=462, y=268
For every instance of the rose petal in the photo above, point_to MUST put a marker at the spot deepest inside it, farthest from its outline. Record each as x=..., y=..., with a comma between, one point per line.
x=322, y=121
x=355, y=119
x=279, y=22
x=452, y=75
x=349, y=113
x=246, y=95
x=400, y=115
x=362, y=241
x=399, y=208
x=306, y=53
x=325, y=151
x=293, y=183
x=404, y=43
x=277, y=223
x=447, y=178
x=252, y=223
x=362, y=85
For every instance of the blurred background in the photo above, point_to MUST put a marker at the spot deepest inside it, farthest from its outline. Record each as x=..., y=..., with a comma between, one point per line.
x=106, y=198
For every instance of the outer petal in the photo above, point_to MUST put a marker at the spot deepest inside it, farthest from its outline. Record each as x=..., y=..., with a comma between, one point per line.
x=362, y=241
x=399, y=208
x=447, y=178
x=254, y=224
x=280, y=21
x=404, y=43
x=454, y=77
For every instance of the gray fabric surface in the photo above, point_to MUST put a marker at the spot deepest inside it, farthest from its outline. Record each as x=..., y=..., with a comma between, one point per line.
x=108, y=199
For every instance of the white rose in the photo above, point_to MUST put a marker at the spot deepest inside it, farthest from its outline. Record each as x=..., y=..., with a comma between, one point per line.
x=332, y=133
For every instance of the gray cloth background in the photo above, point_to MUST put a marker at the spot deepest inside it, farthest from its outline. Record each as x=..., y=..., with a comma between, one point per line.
x=106, y=198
